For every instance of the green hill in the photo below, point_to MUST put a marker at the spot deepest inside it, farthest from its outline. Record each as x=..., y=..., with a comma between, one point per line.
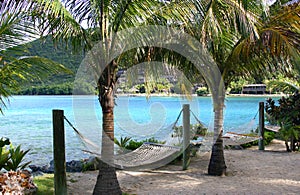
x=60, y=84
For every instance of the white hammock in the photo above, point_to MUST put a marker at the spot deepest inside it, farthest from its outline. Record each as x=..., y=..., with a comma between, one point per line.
x=147, y=156
x=232, y=139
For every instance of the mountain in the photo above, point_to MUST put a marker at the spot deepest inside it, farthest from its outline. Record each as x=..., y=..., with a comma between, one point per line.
x=59, y=84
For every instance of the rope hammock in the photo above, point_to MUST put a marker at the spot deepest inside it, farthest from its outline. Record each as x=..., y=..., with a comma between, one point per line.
x=147, y=156
x=232, y=139
x=240, y=137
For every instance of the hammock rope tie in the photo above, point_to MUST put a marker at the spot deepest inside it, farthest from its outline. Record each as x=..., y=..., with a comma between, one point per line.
x=177, y=119
x=84, y=140
x=256, y=114
x=196, y=118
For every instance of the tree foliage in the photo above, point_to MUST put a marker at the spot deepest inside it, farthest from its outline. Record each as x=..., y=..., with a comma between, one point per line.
x=15, y=29
x=287, y=116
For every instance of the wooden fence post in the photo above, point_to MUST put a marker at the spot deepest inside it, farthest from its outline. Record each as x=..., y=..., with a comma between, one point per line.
x=261, y=127
x=186, y=136
x=60, y=179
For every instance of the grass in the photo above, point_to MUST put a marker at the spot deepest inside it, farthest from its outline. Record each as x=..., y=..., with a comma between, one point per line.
x=45, y=184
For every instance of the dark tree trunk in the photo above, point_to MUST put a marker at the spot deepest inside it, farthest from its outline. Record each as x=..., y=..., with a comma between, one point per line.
x=107, y=182
x=217, y=166
x=293, y=146
x=287, y=146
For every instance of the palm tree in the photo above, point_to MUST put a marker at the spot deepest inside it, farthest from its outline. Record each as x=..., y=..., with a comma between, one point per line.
x=243, y=39
x=86, y=23
x=15, y=29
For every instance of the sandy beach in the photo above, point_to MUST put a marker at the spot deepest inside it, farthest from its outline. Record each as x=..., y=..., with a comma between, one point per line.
x=249, y=171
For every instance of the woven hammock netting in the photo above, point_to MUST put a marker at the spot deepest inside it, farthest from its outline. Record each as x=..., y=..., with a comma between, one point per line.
x=147, y=156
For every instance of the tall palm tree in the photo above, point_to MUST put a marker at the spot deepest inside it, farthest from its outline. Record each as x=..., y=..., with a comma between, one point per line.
x=87, y=23
x=243, y=39
x=15, y=30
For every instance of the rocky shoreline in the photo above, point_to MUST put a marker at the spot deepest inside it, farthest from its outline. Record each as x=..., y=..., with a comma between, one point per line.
x=89, y=164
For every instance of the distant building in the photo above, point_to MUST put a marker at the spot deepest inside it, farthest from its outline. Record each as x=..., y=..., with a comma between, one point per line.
x=254, y=89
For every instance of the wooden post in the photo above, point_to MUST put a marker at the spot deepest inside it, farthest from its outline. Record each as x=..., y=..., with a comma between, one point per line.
x=261, y=127
x=186, y=136
x=60, y=181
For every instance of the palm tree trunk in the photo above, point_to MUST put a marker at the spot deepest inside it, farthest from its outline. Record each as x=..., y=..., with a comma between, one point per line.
x=107, y=182
x=217, y=164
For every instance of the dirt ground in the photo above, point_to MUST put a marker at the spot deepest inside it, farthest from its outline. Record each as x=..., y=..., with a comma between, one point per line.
x=250, y=171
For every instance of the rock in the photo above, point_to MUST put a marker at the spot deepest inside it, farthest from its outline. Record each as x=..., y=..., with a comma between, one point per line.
x=34, y=168
x=74, y=166
x=71, y=166
x=48, y=168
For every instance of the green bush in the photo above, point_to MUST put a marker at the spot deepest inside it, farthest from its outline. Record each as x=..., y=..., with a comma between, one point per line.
x=16, y=159
x=134, y=144
x=195, y=131
x=202, y=91
x=4, y=157
x=12, y=158
x=269, y=136
x=287, y=116
x=123, y=141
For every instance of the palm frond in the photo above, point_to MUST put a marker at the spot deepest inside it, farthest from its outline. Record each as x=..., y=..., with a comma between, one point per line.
x=15, y=28
x=284, y=84
x=17, y=72
x=54, y=18
x=277, y=46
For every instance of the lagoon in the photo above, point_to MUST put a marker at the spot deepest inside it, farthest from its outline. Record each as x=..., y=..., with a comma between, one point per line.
x=28, y=119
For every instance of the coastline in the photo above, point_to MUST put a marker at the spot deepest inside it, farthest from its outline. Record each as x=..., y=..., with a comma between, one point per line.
x=162, y=95
x=195, y=95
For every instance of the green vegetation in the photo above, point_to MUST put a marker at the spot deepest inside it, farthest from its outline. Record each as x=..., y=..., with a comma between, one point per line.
x=268, y=137
x=123, y=141
x=16, y=158
x=287, y=116
x=195, y=131
x=4, y=154
x=16, y=66
x=55, y=84
x=286, y=85
x=129, y=144
x=45, y=184
x=202, y=91
x=12, y=158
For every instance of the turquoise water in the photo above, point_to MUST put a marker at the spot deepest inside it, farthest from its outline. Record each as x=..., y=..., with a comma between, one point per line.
x=28, y=119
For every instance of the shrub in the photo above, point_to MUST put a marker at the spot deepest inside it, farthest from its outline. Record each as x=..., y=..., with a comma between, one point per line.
x=16, y=158
x=202, y=91
x=4, y=157
x=12, y=158
x=268, y=137
x=134, y=144
x=287, y=115
x=195, y=131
